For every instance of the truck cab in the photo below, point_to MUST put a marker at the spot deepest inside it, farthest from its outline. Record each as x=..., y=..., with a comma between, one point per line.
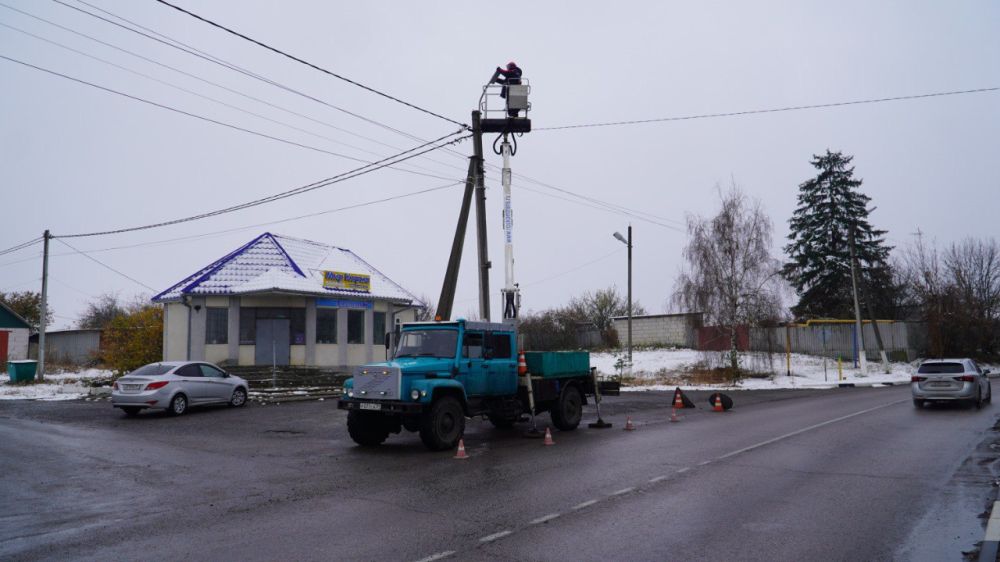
x=440, y=373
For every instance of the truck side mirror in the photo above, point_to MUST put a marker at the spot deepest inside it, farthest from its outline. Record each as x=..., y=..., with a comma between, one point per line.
x=386, y=340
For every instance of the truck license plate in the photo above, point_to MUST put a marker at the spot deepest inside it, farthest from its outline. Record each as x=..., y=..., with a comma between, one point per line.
x=370, y=406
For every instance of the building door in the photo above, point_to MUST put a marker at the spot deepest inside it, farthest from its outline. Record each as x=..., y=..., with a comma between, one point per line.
x=272, y=344
x=3, y=347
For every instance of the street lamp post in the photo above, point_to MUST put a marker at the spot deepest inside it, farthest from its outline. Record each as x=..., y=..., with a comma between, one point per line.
x=628, y=242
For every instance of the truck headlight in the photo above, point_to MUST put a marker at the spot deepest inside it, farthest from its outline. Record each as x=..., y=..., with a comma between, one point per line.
x=415, y=394
x=350, y=393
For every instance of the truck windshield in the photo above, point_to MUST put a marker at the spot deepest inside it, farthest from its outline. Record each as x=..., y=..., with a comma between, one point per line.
x=427, y=343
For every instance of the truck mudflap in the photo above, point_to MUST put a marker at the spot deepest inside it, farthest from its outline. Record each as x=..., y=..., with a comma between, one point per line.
x=610, y=387
x=384, y=406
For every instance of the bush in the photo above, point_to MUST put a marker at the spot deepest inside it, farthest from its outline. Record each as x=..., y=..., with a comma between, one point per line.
x=134, y=339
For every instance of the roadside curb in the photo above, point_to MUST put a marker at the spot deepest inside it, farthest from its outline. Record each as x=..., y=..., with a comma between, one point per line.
x=988, y=551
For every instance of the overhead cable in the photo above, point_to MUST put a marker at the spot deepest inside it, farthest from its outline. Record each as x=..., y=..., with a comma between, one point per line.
x=20, y=246
x=106, y=266
x=772, y=110
x=350, y=174
x=310, y=65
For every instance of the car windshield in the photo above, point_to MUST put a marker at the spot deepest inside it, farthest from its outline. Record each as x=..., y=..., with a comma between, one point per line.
x=427, y=343
x=151, y=370
x=934, y=368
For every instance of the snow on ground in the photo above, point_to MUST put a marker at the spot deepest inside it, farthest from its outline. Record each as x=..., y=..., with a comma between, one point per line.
x=650, y=367
x=65, y=385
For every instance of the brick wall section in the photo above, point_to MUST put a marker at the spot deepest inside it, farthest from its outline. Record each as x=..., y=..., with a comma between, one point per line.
x=660, y=329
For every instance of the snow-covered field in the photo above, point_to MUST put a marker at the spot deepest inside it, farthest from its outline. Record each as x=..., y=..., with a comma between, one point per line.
x=664, y=369
x=57, y=386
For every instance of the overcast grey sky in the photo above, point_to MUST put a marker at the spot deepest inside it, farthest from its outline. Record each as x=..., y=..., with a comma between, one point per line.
x=76, y=159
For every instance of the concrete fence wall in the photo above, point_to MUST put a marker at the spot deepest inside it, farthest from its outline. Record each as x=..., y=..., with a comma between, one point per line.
x=903, y=341
x=660, y=329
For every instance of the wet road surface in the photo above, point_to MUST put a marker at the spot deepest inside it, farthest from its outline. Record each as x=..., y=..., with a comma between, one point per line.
x=786, y=475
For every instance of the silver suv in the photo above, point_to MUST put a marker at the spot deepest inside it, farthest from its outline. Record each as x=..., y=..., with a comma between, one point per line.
x=951, y=379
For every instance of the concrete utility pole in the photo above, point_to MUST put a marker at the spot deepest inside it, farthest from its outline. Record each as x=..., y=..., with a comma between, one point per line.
x=40, y=374
x=484, y=260
x=860, y=337
x=447, y=299
x=628, y=242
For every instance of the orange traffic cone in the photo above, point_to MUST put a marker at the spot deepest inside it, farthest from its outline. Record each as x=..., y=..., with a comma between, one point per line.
x=678, y=400
x=548, y=437
x=717, y=407
x=628, y=424
x=522, y=365
x=673, y=415
x=461, y=450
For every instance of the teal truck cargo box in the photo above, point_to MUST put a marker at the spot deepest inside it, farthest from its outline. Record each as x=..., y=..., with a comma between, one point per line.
x=556, y=364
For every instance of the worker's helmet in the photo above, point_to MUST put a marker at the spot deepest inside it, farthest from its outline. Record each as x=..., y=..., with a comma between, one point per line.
x=511, y=65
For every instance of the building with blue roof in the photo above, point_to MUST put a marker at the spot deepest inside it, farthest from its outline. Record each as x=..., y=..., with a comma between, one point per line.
x=285, y=301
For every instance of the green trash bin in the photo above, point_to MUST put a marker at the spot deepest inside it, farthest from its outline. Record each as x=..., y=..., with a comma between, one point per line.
x=22, y=371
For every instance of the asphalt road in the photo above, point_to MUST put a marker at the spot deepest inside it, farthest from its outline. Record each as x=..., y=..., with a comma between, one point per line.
x=850, y=474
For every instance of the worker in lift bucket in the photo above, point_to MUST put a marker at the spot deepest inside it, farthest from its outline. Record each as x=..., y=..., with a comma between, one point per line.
x=511, y=76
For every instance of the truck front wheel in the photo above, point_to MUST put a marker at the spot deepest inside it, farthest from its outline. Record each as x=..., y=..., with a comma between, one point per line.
x=568, y=411
x=443, y=425
x=366, y=428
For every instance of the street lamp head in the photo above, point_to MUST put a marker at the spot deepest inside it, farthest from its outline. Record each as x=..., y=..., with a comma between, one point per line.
x=621, y=238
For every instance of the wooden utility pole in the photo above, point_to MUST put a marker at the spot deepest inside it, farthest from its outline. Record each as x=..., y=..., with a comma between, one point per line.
x=42, y=313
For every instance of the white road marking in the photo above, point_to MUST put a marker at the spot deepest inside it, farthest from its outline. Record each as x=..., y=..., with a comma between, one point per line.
x=703, y=463
x=683, y=470
x=544, y=518
x=587, y=503
x=657, y=479
x=805, y=429
x=495, y=536
x=622, y=491
x=437, y=556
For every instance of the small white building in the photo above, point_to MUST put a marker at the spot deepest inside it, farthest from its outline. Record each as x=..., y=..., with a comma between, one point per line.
x=285, y=301
x=14, y=332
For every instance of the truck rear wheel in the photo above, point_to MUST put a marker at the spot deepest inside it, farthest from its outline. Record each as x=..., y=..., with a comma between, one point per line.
x=443, y=425
x=568, y=411
x=366, y=428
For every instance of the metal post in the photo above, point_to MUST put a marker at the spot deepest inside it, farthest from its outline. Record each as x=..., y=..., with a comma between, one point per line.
x=447, y=299
x=857, y=309
x=43, y=311
x=630, y=297
x=484, y=260
x=274, y=361
x=788, y=351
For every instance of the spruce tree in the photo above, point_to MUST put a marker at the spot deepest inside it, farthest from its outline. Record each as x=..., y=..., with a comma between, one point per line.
x=830, y=206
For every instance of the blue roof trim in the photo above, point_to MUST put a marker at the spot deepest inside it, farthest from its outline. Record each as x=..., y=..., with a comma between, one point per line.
x=295, y=266
x=224, y=260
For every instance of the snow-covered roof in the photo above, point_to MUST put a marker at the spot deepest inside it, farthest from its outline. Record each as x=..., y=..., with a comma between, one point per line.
x=275, y=263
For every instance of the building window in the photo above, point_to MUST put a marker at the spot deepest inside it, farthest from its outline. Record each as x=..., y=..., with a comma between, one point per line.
x=248, y=326
x=297, y=332
x=326, y=325
x=355, y=326
x=378, y=328
x=217, y=326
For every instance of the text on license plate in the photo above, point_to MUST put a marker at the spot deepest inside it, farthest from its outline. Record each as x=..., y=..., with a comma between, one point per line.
x=370, y=406
x=131, y=386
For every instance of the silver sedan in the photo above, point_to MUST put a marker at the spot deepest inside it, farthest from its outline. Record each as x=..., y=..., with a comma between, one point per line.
x=175, y=385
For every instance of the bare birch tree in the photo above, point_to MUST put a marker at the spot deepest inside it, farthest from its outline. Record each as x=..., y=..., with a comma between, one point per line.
x=730, y=274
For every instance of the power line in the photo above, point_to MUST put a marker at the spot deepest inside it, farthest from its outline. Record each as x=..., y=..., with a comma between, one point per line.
x=106, y=266
x=20, y=246
x=201, y=79
x=772, y=110
x=309, y=64
x=350, y=174
x=174, y=44
x=220, y=102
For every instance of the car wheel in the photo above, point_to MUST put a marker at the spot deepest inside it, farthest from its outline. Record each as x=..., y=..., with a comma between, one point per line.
x=568, y=411
x=239, y=398
x=131, y=411
x=989, y=393
x=443, y=425
x=178, y=405
x=978, y=401
x=918, y=403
